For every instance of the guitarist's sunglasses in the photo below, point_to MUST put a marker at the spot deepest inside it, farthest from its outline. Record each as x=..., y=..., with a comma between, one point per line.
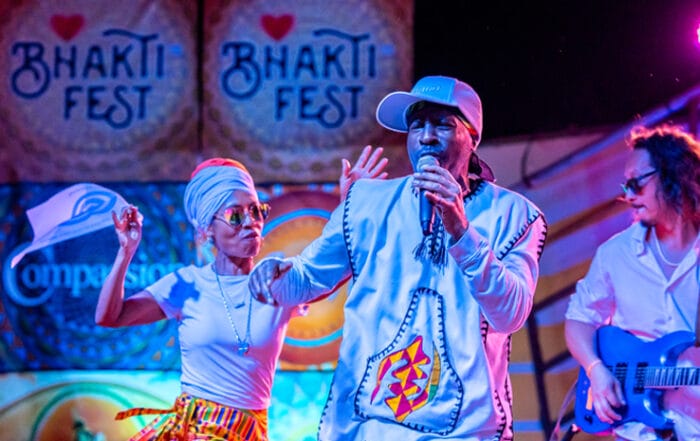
x=633, y=185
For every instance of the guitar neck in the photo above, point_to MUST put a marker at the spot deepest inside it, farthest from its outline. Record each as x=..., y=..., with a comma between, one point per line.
x=669, y=377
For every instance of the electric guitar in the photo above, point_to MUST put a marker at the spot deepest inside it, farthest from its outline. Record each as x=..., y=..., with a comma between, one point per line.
x=644, y=369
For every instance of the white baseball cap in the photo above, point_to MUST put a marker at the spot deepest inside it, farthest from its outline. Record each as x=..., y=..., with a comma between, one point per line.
x=447, y=91
x=392, y=110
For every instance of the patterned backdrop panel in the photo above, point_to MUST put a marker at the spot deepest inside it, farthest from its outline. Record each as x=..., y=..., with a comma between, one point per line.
x=97, y=90
x=80, y=405
x=297, y=217
x=47, y=301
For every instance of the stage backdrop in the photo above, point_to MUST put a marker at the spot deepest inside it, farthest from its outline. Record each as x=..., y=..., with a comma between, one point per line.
x=131, y=95
x=138, y=91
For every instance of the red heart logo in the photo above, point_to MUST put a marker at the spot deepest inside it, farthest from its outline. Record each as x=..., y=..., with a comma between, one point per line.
x=67, y=26
x=277, y=26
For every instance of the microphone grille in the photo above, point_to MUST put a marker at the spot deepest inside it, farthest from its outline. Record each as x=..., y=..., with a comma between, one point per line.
x=425, y=160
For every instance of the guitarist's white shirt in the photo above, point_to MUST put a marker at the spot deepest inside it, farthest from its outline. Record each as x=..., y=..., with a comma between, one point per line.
x=626, y=287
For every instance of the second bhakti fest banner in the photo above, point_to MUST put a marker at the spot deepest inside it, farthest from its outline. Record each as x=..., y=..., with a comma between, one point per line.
x=290, y=88
x=97, y=90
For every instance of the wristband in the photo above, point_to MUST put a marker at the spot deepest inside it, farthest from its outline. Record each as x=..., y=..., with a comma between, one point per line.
x=590, y=367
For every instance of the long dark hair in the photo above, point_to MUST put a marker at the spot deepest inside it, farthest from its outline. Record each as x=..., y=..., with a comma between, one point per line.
x=675, y=154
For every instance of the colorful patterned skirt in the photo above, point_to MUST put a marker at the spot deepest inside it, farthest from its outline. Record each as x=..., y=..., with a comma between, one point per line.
x=193, y=418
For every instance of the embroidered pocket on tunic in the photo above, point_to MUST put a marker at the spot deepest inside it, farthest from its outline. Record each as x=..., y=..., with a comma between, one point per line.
x=412, y=381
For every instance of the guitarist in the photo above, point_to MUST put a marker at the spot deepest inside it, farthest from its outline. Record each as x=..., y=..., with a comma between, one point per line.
x=645, y=278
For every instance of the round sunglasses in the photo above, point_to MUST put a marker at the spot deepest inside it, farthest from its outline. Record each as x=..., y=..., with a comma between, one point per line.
x=235, y=215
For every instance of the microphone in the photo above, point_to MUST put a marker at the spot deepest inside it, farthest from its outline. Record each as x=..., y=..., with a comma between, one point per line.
x=427, y=213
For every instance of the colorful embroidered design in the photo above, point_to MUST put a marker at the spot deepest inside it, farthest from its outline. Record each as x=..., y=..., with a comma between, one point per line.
x=407, y=366
x=410, y=381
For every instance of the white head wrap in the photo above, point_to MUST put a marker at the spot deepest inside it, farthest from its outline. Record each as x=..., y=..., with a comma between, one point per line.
x=208, y=190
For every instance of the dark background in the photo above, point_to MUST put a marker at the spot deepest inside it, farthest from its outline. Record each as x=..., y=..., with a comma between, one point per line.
x=553, y=66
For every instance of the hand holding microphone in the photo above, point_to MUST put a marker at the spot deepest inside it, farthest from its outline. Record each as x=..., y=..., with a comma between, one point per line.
x=439, y=189
x=427, y=211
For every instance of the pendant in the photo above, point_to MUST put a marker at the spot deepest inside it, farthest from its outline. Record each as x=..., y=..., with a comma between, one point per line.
x=243, y=348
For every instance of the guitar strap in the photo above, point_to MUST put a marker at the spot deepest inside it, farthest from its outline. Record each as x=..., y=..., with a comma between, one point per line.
x=573, y=429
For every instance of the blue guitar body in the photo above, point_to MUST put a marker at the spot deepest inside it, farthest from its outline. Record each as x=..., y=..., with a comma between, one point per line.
x=644, y=369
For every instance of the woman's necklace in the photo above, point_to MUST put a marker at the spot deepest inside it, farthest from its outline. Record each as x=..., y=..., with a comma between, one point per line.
x=243, y=345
